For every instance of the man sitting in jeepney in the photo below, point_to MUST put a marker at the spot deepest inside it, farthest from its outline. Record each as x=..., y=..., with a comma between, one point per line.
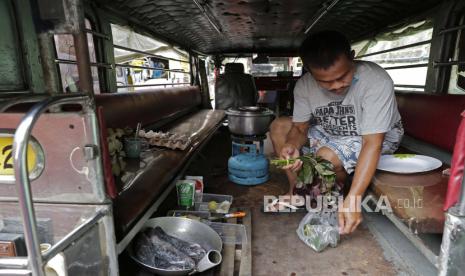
x=348, y=112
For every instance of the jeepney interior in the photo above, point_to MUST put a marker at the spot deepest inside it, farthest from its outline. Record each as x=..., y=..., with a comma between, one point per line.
x=74, y=71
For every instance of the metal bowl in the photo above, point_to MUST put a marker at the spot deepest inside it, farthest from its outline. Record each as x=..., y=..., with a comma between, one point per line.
x=186, y=230
x=249, y=120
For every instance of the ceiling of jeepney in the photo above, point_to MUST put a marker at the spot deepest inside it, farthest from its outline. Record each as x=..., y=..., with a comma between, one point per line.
x=260, y=25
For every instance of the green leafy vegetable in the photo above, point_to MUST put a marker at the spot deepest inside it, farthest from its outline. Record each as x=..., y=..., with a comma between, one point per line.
x=403, y=155
x=314, y=170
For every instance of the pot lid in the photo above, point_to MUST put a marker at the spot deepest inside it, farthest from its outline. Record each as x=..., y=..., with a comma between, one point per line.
x=249, y=111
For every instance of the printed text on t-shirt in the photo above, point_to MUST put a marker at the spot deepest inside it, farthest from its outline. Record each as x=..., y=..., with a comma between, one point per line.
x=337, y=119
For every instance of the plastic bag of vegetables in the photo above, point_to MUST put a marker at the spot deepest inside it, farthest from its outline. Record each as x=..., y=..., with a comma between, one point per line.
x=319, y=229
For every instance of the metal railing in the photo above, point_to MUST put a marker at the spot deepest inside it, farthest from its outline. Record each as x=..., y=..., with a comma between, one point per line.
x=150, y=68
x=35, y=261
x=451, y=29
x=406, y=66
x=94, y=64
x=150, y=85
x=448, y=63
x=97, y=34
x=395, y=49
x=147, y=53
x=409, y=86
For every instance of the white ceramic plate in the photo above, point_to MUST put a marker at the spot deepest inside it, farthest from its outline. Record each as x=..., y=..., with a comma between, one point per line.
x=408, y=163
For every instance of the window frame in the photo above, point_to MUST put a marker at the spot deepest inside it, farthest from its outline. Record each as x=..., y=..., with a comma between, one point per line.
x=400, y=86
x=456, y=83
x=99, y=64
x=148, y=54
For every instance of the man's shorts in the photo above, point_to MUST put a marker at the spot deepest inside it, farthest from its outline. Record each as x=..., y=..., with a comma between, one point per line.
x=347, y=148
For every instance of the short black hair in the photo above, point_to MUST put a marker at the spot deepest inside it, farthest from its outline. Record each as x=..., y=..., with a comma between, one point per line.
x=320, y=50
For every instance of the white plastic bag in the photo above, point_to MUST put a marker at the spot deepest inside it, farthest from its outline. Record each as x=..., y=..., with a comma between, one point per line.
x=319, y=229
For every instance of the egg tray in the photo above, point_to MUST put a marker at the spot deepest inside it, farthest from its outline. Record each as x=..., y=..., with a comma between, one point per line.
x=166, y=139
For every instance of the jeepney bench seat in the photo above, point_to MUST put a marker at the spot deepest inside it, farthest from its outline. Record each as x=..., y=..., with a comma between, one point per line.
x=430, y=121
x=175, y=110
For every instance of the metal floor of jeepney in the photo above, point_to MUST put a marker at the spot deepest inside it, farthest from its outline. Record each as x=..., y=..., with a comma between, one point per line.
x=276, y=249
x=376, y=248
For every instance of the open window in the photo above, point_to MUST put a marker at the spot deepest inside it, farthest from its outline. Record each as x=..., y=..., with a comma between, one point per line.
x=404, y=53
x=457, y=79
x=142, y=62
x=66, y=60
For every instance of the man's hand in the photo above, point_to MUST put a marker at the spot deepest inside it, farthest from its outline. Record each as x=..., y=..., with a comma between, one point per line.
x=350, y=216
x=295, y=139
x=290, y=151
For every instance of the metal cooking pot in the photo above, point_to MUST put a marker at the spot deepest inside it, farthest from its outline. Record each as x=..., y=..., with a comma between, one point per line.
x=185, y=229
x=249, y=120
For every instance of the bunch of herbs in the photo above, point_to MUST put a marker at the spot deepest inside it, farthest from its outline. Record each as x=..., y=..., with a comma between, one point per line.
x=315, y=171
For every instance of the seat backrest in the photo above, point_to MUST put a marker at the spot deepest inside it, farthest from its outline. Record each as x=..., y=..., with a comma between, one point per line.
x=148, y=107
x=234, y=88
x=431, y=118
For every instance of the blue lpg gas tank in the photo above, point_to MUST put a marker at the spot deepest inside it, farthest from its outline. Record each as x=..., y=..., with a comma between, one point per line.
x=248, y=169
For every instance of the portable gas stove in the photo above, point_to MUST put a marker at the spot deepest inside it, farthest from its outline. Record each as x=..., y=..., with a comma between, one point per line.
x=248, y=125
x=248, y=165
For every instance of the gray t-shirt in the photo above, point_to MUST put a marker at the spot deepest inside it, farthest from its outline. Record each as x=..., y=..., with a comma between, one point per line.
x=368, y=107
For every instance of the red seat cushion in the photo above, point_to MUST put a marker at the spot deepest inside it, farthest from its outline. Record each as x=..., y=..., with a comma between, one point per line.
x=431, y=118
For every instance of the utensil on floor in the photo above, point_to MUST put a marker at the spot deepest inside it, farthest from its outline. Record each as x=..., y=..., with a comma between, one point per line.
x=186, y=230
x=136, y=135
x=238, y=214
x=211, y=259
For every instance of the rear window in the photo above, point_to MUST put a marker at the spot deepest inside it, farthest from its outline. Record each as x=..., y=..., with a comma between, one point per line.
x=246, y=61
x=265, y=66
x=143, y=63
x=404, y=53
x=278, y=66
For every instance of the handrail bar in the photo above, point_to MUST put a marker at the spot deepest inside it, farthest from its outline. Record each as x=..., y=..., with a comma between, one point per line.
x=448, y=63
x=17, y=272
x=13, y=263
x=23, y=186
x=73, y=236
x=451, y=29
x=18, y=100
x=461, y=200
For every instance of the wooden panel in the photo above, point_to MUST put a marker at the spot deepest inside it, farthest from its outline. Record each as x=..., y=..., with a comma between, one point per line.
x=417, y=199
